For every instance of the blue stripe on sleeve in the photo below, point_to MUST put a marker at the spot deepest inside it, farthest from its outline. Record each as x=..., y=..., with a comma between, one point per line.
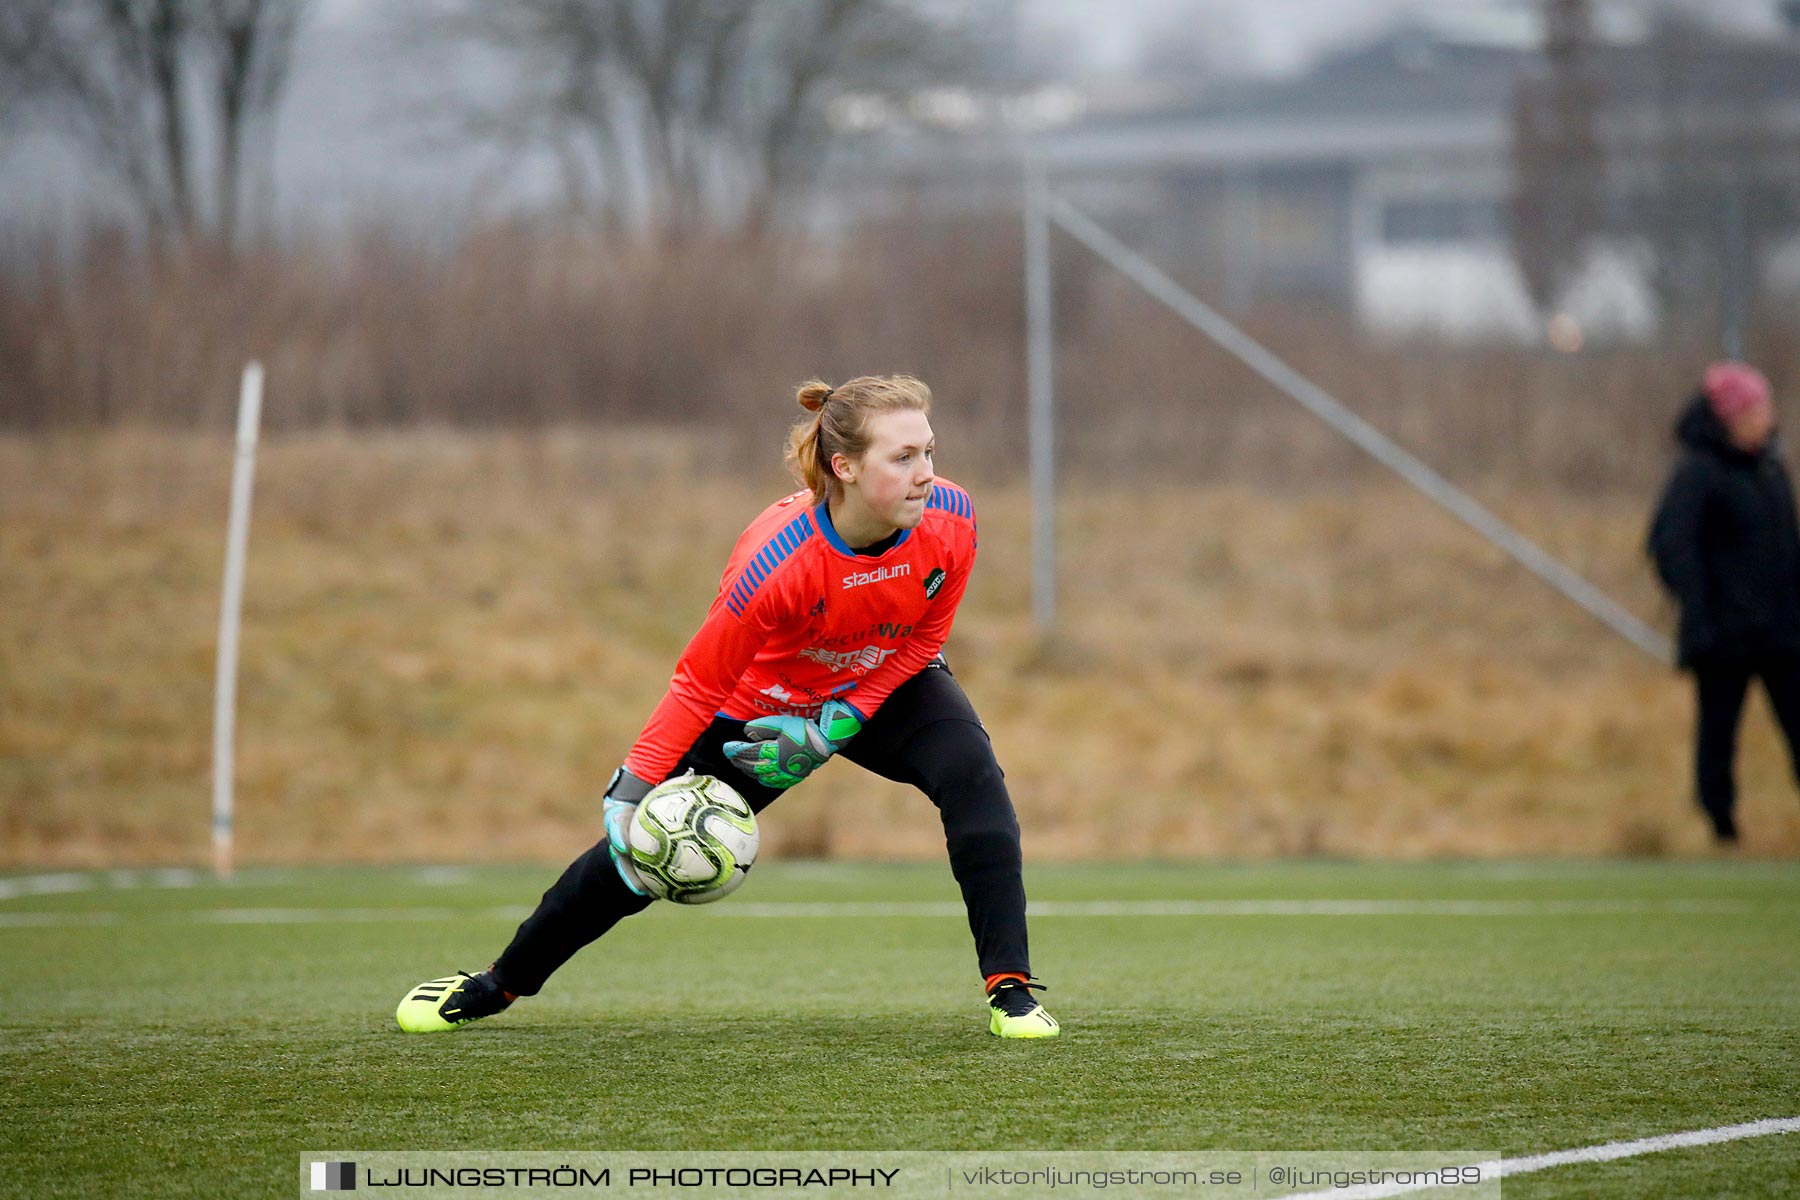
x=951, y=499
x=774, y=552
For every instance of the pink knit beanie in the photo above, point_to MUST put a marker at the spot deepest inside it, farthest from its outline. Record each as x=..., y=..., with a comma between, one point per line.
x=1734, y=387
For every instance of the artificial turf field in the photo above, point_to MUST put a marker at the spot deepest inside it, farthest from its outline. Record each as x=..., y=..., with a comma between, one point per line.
x=161, y=1035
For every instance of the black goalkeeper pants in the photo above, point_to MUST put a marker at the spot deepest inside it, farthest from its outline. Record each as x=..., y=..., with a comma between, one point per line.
x=927, y=735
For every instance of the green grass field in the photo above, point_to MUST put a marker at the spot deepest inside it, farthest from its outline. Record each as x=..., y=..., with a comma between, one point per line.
x=194, y=1040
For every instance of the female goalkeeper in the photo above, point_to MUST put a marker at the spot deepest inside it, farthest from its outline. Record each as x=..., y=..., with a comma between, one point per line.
x=823, y=640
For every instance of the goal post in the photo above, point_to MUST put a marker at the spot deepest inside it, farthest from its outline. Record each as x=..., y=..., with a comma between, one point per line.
x=1045, y=210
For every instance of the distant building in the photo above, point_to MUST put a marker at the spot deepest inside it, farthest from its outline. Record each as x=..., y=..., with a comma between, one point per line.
x=1387, y=179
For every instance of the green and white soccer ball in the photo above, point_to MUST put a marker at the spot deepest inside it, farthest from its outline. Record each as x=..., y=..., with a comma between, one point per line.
x=692, y=840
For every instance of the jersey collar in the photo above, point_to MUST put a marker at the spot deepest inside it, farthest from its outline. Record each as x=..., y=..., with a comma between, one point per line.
x=822, y=515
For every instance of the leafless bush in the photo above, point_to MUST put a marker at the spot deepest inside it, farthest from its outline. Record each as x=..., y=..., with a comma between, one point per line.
x=523, y=327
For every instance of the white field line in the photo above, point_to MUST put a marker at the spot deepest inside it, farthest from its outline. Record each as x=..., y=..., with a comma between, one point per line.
x=1506, y=1167
x=1248, y=908
x=808, y=910
x=75, y=881
x=44, y=885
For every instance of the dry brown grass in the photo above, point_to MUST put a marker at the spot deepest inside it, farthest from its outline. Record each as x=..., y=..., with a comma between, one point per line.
x=450, y=640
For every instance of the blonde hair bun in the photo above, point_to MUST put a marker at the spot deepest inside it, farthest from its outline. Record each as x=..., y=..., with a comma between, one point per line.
x=812, y=395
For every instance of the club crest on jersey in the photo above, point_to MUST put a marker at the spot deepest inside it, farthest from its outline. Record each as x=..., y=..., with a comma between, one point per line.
x=862, y=578
x=933, y=582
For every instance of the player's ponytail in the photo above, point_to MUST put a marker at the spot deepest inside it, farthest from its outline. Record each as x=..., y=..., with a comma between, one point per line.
x=810, y=468
x=839, y=424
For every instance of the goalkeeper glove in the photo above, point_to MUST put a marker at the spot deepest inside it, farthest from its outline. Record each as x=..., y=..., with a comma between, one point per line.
x=623, y=792
x=781, y=751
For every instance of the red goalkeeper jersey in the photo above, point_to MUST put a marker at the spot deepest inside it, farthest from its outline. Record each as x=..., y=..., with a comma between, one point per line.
x=801, y=619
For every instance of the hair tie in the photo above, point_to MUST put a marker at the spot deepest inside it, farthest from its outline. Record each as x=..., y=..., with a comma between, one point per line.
x=826, y=396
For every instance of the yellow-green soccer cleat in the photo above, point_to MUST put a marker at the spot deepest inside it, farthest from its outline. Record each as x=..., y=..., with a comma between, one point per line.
x=1013, y=1012
x=440, y=1005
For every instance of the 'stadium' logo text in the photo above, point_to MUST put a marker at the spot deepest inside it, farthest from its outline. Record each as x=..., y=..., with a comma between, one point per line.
x=334, y=1177
x=859, y=578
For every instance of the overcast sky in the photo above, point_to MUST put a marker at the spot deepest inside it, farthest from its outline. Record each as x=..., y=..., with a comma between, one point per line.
x=1283, y=35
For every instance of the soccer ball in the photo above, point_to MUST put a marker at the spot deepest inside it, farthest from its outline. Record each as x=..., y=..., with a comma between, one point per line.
x=692, y=840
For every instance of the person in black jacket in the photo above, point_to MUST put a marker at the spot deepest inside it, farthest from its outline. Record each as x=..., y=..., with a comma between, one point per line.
x=1726, y=543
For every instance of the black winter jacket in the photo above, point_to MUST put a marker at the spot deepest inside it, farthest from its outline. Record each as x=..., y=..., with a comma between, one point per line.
x=1726, y=544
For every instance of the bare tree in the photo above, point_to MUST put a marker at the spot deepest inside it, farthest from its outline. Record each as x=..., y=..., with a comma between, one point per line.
x=1715, y=177
x=158, y=92
x=101, y=73
x=672, y=113
x=250, y=47
x=1677, y=148
x=23, y=28
x=1558, y=202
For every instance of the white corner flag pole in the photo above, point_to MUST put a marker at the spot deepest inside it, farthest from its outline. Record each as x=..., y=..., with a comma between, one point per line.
x=243, y=475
